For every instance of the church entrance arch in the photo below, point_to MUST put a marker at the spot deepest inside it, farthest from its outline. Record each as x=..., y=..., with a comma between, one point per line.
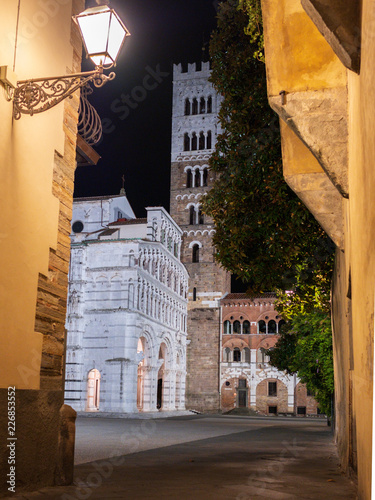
x=159, y=396
x=162, y=396
x=145, y=397
x=140, y=373
x=93, y=390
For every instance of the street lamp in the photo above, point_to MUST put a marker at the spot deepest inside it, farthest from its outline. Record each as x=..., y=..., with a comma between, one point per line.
x=103, y=34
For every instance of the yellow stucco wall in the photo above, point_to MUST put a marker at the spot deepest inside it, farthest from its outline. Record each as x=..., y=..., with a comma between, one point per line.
x=361, y=239
x=29, y=211
x=300, y=61
x=298, y=57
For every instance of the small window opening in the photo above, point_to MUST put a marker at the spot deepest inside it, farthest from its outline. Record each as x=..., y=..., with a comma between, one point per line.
x=200, y=216
x=272, y=326
x=272, y=389
x=202, y=107
x=209, y=139
x=194, y=142
x=236, y=327
x=186, y=142
x=187, y=107
x=194, y=108
x=227, y=327
x=209, y=105
x=197, y=178
x=262, y=326
x=205, y=176
x=246, y=327
x=196, y=253
x=201, y=140
x=191, y=215
x=236, y=355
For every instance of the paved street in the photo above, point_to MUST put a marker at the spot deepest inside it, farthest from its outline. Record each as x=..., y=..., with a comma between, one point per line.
x=204, y=457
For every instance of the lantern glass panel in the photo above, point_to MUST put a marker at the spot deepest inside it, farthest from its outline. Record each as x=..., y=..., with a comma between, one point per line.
x=116, y=37
x=95, y=28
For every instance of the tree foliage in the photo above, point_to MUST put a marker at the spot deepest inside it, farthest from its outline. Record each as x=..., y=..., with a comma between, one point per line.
x=254, y=28
x=264, y=234
x=305, y=347
x=263, y=231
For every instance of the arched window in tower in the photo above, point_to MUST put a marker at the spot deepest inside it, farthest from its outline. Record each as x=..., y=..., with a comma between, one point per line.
x=227, y=327
x=187, y=107
x=262, y=327
x=186, y=142
x=246, y=327
x=191, y=215
x=201, y=140
x=189, y=178
x=226, y=355
x=209, y=105
x=236, y=327
x=200, y=216
x=236, y=355
x=194, y=108
x=205, y=176
x=272, y=326
x=194, y=142
x=246, y=355
x=197, y=179
x=195, y=254
x=202, y=106
x=209, y=139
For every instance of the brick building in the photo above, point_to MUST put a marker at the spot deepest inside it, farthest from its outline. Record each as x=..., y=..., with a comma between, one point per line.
x=249, y=327
x=194, y=132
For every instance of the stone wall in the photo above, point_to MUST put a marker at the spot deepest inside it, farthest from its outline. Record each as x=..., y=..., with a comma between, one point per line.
x=202, y=393
x=303, y=400
x=264, y=401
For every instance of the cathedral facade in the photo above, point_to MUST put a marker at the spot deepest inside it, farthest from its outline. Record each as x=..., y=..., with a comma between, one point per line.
x=127, y=309
x=194, y=131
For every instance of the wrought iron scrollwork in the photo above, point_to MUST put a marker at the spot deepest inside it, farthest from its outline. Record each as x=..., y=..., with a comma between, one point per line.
x=89, y=124
x=40, y=94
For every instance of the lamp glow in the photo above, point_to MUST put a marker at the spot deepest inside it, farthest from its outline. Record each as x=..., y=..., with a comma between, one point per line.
x=103, y=34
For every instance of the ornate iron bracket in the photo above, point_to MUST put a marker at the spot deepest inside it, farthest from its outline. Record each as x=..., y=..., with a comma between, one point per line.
x=40, y=94
x=89, y=123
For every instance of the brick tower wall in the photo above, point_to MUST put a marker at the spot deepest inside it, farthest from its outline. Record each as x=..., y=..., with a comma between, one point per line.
x=207, y=281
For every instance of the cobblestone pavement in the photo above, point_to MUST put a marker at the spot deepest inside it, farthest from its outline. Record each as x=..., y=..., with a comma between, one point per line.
x=203, y=457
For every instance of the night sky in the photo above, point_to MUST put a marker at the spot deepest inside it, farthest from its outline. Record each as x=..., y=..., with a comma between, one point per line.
x=136, y=142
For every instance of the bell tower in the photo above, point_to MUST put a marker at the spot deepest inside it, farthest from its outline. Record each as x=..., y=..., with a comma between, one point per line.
x=194, y=131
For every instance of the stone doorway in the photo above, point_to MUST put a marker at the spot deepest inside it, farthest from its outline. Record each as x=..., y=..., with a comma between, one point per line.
x=242, y=393
x=159, y=397
x=93, y=390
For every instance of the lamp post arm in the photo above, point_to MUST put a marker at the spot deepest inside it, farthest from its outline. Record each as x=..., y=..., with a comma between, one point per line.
x=40, y=94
